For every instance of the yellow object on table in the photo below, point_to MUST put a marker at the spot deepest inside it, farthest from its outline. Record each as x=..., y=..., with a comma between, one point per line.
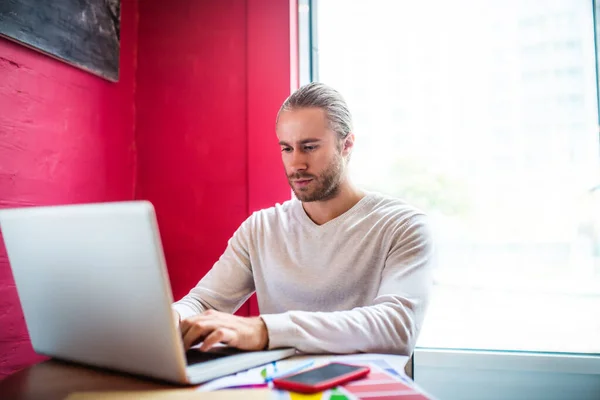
x=181, y=394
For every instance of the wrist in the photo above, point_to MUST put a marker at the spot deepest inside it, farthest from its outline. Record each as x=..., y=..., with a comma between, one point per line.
x=263, y=334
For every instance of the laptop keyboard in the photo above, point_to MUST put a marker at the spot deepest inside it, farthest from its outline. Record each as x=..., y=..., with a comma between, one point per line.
x=195, y=356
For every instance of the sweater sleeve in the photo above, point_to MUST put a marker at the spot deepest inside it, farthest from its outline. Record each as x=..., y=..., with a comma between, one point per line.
x=228, y=284
x=390, y=324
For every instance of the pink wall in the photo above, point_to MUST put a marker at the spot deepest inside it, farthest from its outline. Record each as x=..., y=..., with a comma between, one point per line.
x=211, y=77
x=66, y=136
x=273, y=73
x=191, y=128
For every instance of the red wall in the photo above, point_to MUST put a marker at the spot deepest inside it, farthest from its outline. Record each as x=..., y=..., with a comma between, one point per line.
x=65, y=137
x=273, y=74
x=211, y=77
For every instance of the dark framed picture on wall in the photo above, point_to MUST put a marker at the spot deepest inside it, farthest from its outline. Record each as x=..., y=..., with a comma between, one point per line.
x=83, y=33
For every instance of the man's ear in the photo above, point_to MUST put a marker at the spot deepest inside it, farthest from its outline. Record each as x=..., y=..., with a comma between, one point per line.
x=348, y=144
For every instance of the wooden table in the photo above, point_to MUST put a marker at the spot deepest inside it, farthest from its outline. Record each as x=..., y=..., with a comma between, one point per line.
x=56, y=380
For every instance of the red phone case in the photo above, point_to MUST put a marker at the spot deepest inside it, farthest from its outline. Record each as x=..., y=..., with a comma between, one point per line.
x=282, y=383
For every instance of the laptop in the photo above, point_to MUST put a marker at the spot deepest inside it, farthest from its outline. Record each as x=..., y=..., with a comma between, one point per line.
x=94, y=289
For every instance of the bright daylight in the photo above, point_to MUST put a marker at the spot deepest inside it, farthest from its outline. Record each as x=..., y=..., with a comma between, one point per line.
x=488, y=121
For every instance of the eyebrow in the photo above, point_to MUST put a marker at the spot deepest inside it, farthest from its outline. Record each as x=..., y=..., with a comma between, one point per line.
x=305, y=141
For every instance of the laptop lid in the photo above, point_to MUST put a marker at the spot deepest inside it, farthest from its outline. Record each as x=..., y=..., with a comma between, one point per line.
x=93, y=286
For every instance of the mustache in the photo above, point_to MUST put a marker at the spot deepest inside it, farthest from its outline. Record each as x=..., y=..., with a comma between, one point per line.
x=298, y=176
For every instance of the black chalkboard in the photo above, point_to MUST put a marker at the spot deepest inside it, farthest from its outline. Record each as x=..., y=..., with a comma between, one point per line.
x=84, y=33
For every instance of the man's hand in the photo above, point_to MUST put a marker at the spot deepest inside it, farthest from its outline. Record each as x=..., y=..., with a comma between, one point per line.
x=213, y=327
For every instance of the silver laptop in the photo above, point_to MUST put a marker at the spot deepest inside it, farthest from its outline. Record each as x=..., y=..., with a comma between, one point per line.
x=94, y=289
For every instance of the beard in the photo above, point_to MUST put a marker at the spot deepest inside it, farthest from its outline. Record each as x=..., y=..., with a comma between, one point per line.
x=323, y=187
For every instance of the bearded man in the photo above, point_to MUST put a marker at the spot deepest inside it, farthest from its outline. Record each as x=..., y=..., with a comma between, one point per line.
x=336, y=269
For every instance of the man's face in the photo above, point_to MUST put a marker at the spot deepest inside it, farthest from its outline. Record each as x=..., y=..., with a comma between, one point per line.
x=312, y=154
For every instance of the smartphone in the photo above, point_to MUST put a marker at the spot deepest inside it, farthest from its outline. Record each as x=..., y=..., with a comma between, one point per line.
x=321, y=378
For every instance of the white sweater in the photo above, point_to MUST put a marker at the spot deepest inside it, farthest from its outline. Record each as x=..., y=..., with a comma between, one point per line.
x=358, y=283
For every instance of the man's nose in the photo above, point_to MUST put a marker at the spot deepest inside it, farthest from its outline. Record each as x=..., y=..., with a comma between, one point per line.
x=299, y=162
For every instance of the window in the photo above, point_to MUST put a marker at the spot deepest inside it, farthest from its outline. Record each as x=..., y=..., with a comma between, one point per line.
x=484, y=114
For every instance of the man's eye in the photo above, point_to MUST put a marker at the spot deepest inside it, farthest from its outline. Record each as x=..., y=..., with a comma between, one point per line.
x=286, y=149
x=309, y=148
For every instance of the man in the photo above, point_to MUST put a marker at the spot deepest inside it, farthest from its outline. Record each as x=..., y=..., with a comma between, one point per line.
x=335, y=270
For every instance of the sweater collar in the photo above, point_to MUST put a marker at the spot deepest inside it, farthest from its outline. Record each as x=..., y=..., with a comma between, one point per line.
x=337, y=220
